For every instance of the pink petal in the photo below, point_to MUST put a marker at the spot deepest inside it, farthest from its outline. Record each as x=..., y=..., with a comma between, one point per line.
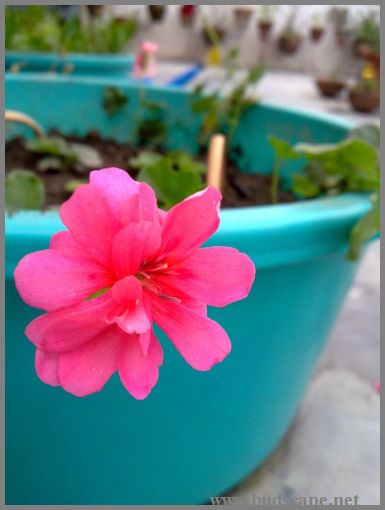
x=66, y=244
x=49, y=280
x=90, y=219
x=201, y=341
x=67, y=328
x=141, y=206
x=133, y=245
x=86, y=370
x=190, y=223
x=217, y=276
x=139, y=372
x=46, y=366
x=117, y=186
x=131, y=314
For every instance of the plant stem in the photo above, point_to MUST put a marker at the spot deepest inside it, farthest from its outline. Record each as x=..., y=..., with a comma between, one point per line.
x=275, y=181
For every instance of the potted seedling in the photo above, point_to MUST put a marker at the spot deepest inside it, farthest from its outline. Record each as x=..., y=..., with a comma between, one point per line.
x=113, y=447
x=290, y=39
x=316, y=29
x=338, y=17
x=37, y=38
x=265, y=21
x=367, y=36
x=364, y=95
x=188, y=14
x=330, y=85
x=157, y=12
x=242, y=15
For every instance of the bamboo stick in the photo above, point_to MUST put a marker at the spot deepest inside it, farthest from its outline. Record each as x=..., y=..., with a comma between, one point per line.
x=216, y=161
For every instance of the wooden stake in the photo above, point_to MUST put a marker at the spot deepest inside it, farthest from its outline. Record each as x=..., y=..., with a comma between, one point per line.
x=216, y=161
x=22, y=118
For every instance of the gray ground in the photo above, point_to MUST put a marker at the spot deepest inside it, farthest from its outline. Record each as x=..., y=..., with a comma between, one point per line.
x=332, y=448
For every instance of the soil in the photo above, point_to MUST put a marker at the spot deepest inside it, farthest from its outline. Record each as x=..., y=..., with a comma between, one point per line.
x=241, y=189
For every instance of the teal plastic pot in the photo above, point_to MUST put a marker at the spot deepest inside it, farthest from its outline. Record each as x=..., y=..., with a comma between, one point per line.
x=199, y=433
x=116, y=65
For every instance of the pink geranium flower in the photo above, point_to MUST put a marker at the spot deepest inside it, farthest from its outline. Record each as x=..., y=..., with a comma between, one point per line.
x=122, y=265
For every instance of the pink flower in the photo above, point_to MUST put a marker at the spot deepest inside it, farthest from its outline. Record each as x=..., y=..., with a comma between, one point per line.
x=122, y=265
x=145, y=60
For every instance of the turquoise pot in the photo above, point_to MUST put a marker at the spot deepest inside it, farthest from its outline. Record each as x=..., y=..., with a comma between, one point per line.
x=199, y=433
x=116, y=65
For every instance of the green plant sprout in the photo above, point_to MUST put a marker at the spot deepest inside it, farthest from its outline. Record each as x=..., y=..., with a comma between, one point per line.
x=114, y=100
x=41, y=28
x=351, y=165
x=23, y=190
x=61, y=155
x=174, y=176
x=151, y=128
x=221, y=113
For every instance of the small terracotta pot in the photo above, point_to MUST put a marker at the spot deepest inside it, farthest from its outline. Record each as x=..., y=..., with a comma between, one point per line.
x=362, y=48
x=157, y=11
x=342, y=37
x=187, y=14
x=364, y=101
x=242, y=16
x=374, y=59
x=289, y=43
x=264, y=29
x=330, y=88
x=316, y=33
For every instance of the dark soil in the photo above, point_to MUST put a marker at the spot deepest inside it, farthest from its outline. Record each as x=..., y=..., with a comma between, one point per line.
x=241, y=189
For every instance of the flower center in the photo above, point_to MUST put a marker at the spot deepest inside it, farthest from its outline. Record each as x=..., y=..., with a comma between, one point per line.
x=146, y=277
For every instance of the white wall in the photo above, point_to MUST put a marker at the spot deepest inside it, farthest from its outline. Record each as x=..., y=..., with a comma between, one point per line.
x=178, y=42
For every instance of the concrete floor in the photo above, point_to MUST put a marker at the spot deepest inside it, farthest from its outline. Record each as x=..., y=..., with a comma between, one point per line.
x=332, y=448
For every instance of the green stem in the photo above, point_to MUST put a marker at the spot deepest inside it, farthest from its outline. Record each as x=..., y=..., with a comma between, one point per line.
x=275, y=182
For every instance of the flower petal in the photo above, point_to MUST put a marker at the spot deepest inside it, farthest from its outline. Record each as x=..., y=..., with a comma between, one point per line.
x=90, y=219
x=65, y=329
x=139, y=372
x=86, y=370
x=65, y=243
x=133, y=245
x=117, y=186
x=217, y=276
x=201, y=341
x=190, y=223
x=131, y=314
x=46, y=366
x=140, y=206
x=50, y=280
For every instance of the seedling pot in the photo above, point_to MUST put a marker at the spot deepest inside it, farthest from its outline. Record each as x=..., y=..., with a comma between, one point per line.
x=73, y=63
x=199, y=433
x=330, y=88
x=364, y=101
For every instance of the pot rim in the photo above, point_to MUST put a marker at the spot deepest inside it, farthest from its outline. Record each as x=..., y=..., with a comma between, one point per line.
x=272, y=234
x=84, y=59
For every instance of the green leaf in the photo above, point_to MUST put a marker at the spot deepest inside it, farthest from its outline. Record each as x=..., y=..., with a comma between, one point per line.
x=283, y=150
x=368, y=133
x=53, y=145
x=87, y=156
x=72, y=184
x=365, y=229
x=144, y=159
x=183, y=161
x=114, y=100
x=49, y=163
x=97, y=293
x=170, y=185
x=23, y=190
x=304, y=186
x=203, y=104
